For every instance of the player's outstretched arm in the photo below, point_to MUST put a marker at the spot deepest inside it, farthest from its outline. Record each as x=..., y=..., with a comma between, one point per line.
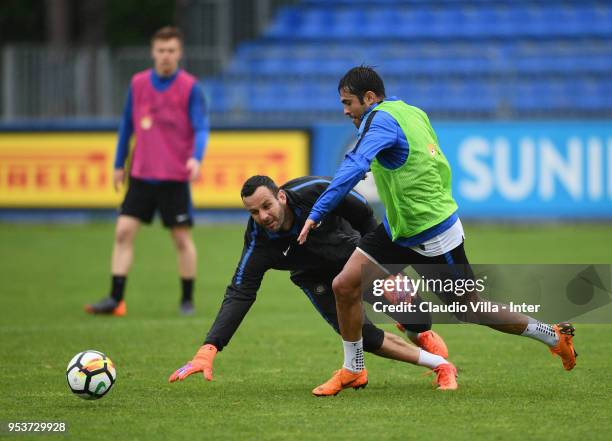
x=201, y=362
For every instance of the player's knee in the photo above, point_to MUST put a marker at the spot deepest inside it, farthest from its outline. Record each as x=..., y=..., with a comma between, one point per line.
x=124, y=234
x=373, y=337
x=181, y=244
x=182, y=241
x=344, y=290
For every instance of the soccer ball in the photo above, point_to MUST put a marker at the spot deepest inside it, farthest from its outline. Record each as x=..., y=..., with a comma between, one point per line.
x=90, y=374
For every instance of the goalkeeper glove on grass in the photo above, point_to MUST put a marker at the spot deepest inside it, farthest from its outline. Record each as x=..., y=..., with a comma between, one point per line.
x=202, y=362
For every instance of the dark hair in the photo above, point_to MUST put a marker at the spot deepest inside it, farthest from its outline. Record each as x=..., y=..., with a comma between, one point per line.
x=254, y=182
x=359, y=80
x=167, y=33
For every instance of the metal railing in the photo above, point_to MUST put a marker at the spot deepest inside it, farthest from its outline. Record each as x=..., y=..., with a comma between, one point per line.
x=91, y=82
x=43, y=82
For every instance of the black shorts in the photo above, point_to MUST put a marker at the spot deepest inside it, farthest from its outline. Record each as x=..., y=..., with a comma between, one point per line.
x=393, y=258
x=171, y=198
x=318, y=289
x=379, y=246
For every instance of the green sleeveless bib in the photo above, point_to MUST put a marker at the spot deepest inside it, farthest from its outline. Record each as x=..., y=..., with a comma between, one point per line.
x=417, y=195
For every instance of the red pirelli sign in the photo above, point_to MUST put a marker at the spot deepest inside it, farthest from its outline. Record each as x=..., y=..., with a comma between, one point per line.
x=74, y=169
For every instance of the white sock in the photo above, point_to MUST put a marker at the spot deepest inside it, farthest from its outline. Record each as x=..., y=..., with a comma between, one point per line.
x=353, y=355
x=541, y=332
x=430, y=360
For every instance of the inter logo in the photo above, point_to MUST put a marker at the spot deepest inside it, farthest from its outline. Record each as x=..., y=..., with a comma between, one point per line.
x=146, y=122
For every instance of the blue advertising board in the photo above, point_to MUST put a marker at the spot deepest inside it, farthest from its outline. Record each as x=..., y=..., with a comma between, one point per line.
x=512, y=170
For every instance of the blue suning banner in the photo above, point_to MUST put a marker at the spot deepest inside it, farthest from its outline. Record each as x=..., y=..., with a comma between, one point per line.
x=513, y=170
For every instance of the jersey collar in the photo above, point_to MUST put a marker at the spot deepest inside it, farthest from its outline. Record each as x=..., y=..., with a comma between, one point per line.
x=364, y=117
x=162, y=83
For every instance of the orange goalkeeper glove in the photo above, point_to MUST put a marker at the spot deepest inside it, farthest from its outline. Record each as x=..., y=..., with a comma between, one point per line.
x=202, y=362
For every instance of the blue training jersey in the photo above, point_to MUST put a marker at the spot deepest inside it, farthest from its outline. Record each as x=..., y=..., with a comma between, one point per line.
x=379, y=136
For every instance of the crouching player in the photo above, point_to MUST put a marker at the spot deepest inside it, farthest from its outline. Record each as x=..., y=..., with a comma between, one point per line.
x=277, y=216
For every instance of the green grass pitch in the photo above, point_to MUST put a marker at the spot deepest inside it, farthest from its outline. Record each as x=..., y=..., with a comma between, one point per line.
x=510, y=388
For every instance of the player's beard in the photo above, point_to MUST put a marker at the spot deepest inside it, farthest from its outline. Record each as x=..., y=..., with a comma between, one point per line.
x=276, y=224
x=271, y=226
x=355, y=120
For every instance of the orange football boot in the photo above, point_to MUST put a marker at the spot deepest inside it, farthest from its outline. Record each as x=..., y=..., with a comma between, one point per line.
x=342, y=379
x=121, y=309
x=108, y=306
x=446, y=377
x=565, y=347
x=429, y=341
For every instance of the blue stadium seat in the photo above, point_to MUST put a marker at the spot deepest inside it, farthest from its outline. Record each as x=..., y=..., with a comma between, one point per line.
x=448, y=56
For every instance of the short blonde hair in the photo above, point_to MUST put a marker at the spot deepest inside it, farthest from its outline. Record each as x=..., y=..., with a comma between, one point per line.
x=167, y=33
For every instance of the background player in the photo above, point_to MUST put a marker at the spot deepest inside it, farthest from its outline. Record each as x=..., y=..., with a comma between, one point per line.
x=165, y=110
x=276, y=218
x=421, y=226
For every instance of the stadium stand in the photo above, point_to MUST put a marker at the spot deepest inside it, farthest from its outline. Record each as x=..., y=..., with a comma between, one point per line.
x=455, y=58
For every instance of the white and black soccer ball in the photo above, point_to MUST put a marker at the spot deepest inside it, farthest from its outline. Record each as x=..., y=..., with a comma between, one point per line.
x=90, y=374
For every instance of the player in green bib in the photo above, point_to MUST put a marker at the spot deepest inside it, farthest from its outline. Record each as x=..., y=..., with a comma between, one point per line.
x=420, y=228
